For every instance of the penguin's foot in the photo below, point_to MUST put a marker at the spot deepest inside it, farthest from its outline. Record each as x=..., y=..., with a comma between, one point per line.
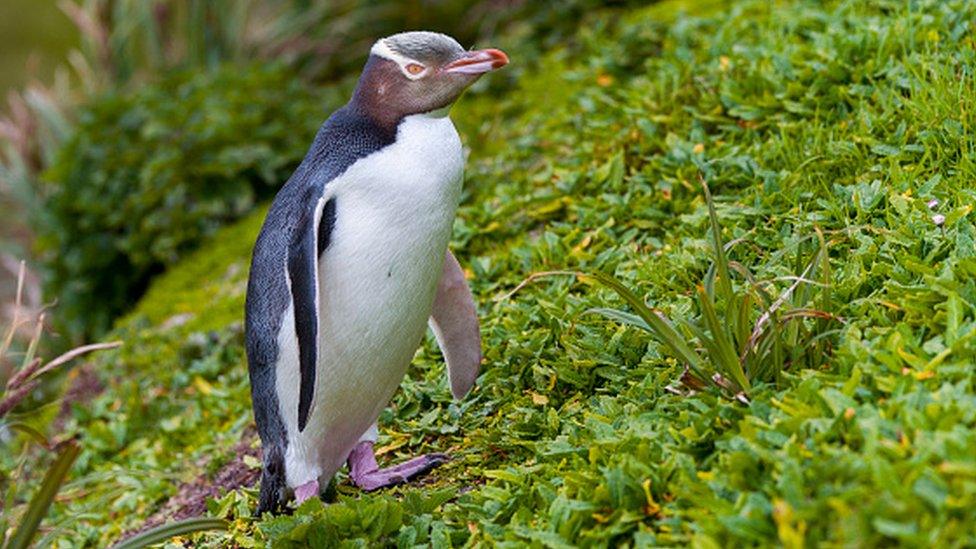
x=366, y=474
x=308, y=490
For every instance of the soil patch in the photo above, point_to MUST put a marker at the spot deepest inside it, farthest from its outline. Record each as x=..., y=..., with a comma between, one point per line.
x=191, y=498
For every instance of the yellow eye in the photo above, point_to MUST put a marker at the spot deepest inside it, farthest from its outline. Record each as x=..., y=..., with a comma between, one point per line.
x=415, y=69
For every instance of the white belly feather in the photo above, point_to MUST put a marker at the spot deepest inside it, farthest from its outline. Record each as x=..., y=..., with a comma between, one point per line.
x=394, y=213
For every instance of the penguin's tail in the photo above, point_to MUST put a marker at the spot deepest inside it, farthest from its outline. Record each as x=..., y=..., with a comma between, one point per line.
x=274, y=491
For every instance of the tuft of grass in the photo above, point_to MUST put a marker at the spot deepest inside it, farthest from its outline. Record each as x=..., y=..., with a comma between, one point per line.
x=24, y=380
x=744, y=333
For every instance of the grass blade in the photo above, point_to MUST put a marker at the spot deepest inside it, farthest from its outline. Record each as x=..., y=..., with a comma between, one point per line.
x=726, y=354
x=39, y=505
x=721, y=261
x=711, y=350
x=75, y=353
x=164, y=532
x=661, y=327
x=622, y=317
x=743, y=330
x=30, y=432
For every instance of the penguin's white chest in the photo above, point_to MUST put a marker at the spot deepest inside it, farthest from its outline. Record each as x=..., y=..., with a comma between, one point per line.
x=394, y=211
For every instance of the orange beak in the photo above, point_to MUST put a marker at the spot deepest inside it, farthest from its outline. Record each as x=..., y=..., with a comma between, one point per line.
x=478, y=62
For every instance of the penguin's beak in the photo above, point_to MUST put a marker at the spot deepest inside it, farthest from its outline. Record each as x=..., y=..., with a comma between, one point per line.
x=477, y=62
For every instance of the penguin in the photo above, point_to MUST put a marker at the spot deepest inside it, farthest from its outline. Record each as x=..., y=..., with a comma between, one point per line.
x=352, y=265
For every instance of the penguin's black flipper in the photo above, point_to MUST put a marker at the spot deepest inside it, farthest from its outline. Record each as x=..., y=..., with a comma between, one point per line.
x=310, y=238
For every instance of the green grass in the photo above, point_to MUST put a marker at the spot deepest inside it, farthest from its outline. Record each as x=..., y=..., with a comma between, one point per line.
x=845, y=118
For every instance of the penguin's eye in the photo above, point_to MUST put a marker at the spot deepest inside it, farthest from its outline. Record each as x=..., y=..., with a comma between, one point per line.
x=414, y=69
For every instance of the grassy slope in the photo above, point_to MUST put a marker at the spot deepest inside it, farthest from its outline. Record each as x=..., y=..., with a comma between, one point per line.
x=849, y=119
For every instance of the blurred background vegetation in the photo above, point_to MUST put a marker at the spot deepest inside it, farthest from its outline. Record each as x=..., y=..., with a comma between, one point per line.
x=35, y=36
x=189, y=81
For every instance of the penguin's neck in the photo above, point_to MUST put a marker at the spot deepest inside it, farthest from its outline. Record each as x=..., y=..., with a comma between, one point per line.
x=385, y=120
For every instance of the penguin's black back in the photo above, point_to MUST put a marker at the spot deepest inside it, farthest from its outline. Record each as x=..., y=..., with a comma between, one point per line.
x=347, y=136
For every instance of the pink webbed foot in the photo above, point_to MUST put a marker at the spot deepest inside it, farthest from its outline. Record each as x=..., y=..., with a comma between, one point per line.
x=366, y=474
x=308, y=490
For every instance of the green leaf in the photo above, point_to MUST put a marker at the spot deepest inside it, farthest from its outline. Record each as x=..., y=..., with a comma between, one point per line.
x=164, y=532
x=30, y=432
x=622, y=317
x=721, y=262
x=894, y=529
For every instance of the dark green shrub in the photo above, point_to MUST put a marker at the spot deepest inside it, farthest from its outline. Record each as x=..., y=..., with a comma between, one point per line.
x=147, y=174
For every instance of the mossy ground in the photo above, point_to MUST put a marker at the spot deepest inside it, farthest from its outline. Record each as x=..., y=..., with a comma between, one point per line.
x=845, y=117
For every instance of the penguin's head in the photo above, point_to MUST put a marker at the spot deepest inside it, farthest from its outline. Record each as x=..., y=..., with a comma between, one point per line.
x=420, y=72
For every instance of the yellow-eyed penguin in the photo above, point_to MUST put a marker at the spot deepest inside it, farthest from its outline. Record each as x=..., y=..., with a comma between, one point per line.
x=352, y=263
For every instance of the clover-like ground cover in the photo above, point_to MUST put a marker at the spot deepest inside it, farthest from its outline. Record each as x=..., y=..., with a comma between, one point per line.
x=847, y=117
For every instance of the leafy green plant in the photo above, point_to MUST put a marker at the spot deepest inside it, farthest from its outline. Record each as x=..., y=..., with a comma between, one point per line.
x=148, y=174
x=403, y=522
x=25, y=379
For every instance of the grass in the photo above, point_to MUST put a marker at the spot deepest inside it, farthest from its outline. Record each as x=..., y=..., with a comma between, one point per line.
x=745, y=346
x=845, y=119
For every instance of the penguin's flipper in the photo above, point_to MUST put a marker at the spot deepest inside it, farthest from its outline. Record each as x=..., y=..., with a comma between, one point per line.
x=310, y=238
x=454, y=320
